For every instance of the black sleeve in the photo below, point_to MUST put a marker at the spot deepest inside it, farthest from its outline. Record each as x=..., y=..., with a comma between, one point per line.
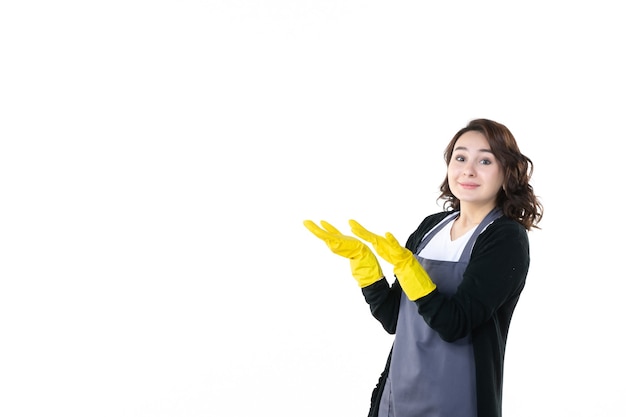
x=384, y=302
x=494, y=278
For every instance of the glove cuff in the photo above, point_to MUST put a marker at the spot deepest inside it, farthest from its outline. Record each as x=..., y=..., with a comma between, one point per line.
x=413, y=279
x=366, y=269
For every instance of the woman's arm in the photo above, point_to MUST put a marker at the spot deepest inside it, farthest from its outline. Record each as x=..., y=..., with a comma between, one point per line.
x=494, y=277
x=384, y=302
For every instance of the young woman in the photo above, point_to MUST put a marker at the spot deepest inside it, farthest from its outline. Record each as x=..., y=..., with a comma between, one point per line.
x=458, y=281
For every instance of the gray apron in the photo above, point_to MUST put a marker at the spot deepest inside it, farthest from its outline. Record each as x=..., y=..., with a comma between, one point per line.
x=429, y=377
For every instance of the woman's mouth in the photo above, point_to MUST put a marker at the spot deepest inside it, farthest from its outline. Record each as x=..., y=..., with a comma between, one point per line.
x=468, y=185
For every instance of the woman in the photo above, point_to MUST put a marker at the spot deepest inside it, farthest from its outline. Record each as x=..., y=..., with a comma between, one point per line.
x=458, y=281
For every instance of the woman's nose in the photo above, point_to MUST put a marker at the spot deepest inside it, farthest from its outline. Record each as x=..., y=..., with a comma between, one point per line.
x=469, y=170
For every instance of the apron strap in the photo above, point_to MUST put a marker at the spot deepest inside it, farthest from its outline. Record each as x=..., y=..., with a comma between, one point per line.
x=489, y=218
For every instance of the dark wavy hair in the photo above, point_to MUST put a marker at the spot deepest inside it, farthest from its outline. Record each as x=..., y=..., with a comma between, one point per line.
x=516, y=199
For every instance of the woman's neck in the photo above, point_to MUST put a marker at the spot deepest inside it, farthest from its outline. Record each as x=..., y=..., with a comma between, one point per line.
x=471, y=215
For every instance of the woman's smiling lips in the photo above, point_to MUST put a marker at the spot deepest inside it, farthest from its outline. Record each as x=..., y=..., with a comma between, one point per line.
x=468, y=185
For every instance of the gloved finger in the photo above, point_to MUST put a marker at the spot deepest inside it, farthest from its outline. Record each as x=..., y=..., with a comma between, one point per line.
x=392, y=240
x=316, y=230
x=394, y=246
x=363, y=233
x=380, y=243
x=330, y=228
x=397, y=252
x=331, y=235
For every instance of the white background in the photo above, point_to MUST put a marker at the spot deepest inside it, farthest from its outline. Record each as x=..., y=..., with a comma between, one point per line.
x=158, y=158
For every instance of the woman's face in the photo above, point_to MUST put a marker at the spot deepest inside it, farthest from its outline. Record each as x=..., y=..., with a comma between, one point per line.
x=474, y=175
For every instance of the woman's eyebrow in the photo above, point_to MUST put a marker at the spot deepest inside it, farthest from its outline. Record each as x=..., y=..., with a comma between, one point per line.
x=463, y=148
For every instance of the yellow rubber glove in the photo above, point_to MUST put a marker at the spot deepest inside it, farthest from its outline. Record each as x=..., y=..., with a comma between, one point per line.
x=412, y=277
x=365, y=267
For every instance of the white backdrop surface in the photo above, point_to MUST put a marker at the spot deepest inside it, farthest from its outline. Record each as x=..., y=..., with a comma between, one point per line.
x=158, y=158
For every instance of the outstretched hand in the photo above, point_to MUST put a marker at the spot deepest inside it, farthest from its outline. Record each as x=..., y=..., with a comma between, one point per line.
x=363, y=263
x=387, y=247
x=412, y=277
x=343, y=245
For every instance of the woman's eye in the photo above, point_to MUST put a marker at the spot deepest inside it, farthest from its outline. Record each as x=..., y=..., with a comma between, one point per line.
x=459, y=158
x=485, y=162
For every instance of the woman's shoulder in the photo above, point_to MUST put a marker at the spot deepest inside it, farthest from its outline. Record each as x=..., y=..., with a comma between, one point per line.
x=507, y=224
x=504, y=231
